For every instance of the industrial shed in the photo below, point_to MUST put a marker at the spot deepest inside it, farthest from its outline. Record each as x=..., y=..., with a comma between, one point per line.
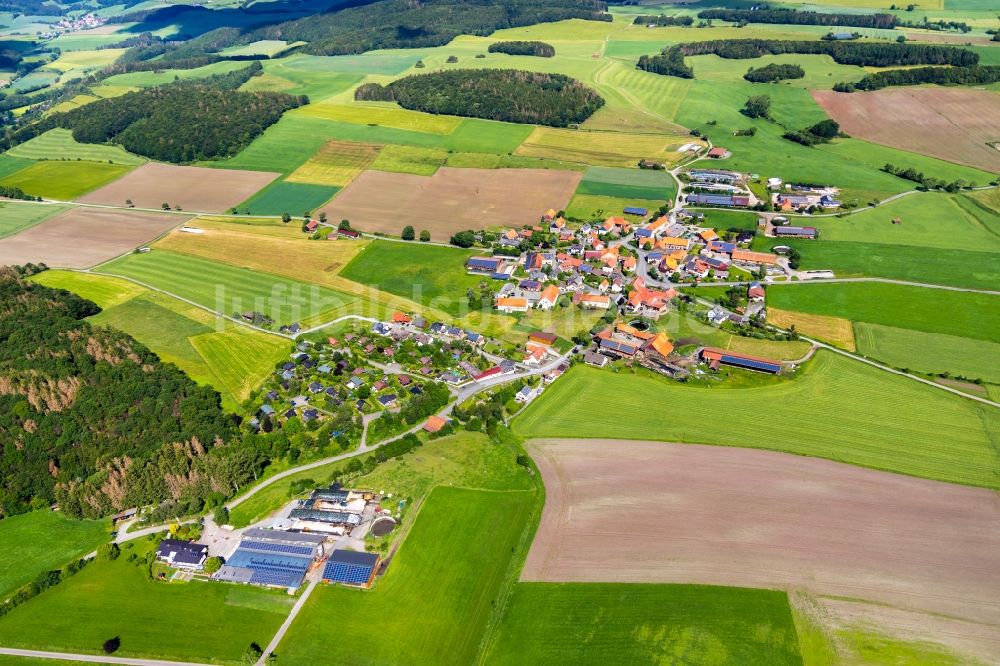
x=351, y=568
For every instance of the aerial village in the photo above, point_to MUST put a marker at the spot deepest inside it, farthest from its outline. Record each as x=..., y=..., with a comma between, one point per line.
x=388, y=379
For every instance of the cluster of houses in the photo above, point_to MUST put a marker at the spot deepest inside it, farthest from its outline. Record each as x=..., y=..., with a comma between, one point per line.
x=802, y=198
x=70, y=24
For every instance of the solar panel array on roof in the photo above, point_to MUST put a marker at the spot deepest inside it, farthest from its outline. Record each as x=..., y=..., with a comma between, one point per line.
x=278, y=548
x=620, y=347
x=334, y=517
x=350, y=567
x=270, y=568
x=750, y=363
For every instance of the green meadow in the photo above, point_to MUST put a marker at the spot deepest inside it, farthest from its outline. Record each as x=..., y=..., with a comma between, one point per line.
x=930, y=353
x=43, y=540
x=160, y=77
x=228, y=289
x=963, y=314
x=628, y=183
x=284, y=197
x=59, y=144
x=16, y=216
x=435, y=602
x=597, y=207
x=64, y=180
x=429, y=274
x=152, y=619
x=826, y=411
x=605, y=623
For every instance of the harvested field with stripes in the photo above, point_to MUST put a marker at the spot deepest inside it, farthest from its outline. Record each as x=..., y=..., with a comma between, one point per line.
x=651, y=512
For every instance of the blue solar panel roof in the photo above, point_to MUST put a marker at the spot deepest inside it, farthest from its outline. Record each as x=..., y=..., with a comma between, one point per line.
x=277, y=548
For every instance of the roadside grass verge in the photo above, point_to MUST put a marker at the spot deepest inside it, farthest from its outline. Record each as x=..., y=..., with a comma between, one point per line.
x=41, y=541
x=827, y=412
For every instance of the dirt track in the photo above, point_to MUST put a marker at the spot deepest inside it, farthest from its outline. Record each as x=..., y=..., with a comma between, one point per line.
x=200, y=189
x=452, y=199
x=84, y=237
x=953, y=124
x=624, y=511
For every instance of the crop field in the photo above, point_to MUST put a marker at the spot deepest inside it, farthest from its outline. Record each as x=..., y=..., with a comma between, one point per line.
x=602, y=623
x=283, y=147
x=83, y=237
x=614, y=149
x=451, y=200
x=10, y=165
x=419, y=161
x=64, y=180
x=628, y=183
x=834, y=330
x=283, y=196
x=59, y=144
x=228, y=289
x=384, y=116
x=43, y=540
x=80, y=61
x=103, y=290
x=763, y=519
x=191, y=188
x=16, y=216
x=152, y=619
x=963, y=314
x=337, y=163
x=427, y=274
x=158, y=78
x=825, y=412
x=952, y=124
x=448, y=573
x=930, y=352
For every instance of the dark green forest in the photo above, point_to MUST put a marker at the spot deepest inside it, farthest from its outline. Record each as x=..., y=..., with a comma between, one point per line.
x=91, y=418
x=942, y=76
x=178, y=122
x=663, y=20
x=539, y=49
x=670, y=61
x=796, y=17
x=513, y=96
x=774, y=72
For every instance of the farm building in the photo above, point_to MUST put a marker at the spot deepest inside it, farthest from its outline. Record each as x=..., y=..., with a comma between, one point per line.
x=737, y=201
x=434, y=424
x=484, y=265
x=542, y=338
x=512, y=304
x=796, y=232
x=272, y=558
x=595, y=359
x=351, y=568
x=631, y=210
x=182, y=554
x=714, y=176
x=750, y=257
x=719, y=153
x=716, y=357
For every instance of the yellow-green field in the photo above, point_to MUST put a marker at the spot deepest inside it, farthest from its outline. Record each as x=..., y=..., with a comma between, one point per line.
x=601, y=148
x=383, y=116
x=336, y=163
x=64, y=180
x=59, y=144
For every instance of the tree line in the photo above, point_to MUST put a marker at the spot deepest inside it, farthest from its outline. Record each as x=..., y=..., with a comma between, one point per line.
x=663, y=20
x=178, y=122
x=774, y=72
x=863, y=54
x=796, y=17
x=509, y=95
x=524, y=48
x=942, y=76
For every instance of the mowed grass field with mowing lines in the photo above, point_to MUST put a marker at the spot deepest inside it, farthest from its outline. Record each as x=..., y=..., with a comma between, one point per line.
x=152, y=619
x=964, y=314
x=930, y=352
x=384, y=116
x=16, y=216
x=615, y=149
x=64, y=180
x=41, y=541
x=104, y=290
x=628, y=183
x=240, y=358
x=59, y=144
x=336, y=163
x=228, y=289
x=288, y=197
x=827, y=412
x=602, y=623
x=447, y=573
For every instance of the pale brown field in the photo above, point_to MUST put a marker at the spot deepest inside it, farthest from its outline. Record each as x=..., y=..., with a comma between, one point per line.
x=197, y=189
x=954, y=124
x=834, y=330
x=85, y=237
x=451, y=200
x=627, y=511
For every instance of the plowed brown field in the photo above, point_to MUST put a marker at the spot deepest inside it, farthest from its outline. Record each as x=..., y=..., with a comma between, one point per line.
x=628, y=511
x=952, y=124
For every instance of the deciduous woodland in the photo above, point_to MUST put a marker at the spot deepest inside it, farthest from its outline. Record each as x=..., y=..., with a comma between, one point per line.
x=539, y=49
x=863, y=54
x=795, y=17
x=774, y=72
x=496, y=94
x=942, y=76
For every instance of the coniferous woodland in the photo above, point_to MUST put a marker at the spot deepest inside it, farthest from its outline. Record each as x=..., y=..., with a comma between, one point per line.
x=90, y=418
x=774, y=72
x=942, y=76
x=863, y=54
x=796, y=17
x=663, y=20
x=495, y=94
x=178, y=122
x=539, y=49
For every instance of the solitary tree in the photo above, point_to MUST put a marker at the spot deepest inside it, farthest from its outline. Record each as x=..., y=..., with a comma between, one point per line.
x=322, y=217
x=165, y=206
x=758, y=106
x=286, y=218
x=212, y=564
x=221, y=515
x=252, y=654
x=408, y=233
x=108, y=551
x=344, y=224
x=464, y=239
x=425, y=236
x=128, y=202
x=112, y=644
